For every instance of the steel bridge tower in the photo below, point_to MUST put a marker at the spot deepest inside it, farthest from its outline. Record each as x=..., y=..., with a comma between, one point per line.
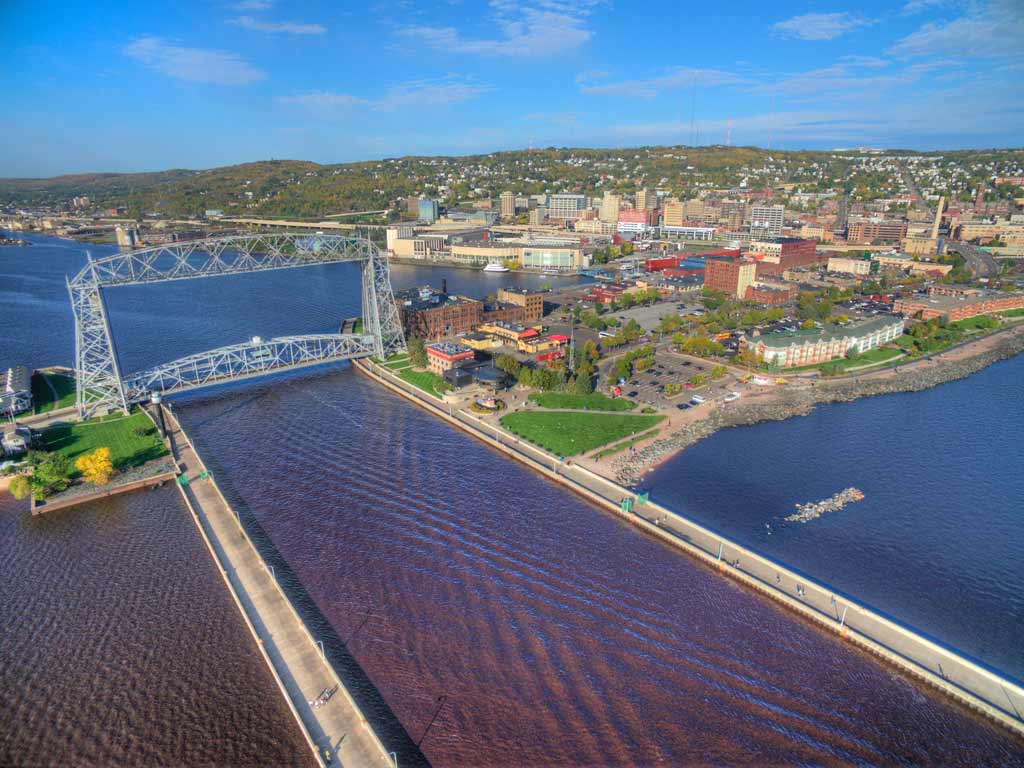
x=100, y=385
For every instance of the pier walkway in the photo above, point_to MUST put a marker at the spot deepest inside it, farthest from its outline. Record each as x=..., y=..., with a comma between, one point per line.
x=337, y=732
x=969, y=683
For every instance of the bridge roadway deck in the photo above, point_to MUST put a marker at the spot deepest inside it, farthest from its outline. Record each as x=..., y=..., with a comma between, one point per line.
x=339, y=727
x=971, y=684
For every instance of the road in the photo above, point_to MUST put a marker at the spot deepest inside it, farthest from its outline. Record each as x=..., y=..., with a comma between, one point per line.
x=981, y=263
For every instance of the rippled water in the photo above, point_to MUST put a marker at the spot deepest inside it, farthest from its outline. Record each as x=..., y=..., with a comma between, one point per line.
x=937, y=542
x=120, y=646
x=559, y=635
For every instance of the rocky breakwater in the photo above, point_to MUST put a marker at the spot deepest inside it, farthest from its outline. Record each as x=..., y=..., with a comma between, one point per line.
x=799, y=399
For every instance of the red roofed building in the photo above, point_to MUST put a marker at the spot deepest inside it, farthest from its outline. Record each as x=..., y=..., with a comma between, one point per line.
x=445, y=355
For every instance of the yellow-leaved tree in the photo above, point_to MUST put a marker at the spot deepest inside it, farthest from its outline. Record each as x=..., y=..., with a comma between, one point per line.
x=96, y=467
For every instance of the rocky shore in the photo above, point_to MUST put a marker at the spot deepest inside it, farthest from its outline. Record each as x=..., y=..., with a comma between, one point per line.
x=800, y=399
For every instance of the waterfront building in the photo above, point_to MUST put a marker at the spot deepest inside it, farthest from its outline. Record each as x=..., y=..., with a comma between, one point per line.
x=127, y=237
x=957, y=307
x=532, y=302
x=509, y=333
x=445, y=355
x=563, y=258
x=731, y=276
x=16, y=391
x=834, y=342
x=433, y=315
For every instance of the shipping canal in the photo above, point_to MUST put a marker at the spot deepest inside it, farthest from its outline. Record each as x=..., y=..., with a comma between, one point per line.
x=549, y=632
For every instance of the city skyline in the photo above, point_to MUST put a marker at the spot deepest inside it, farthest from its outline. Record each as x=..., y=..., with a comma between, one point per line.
x=126, y=88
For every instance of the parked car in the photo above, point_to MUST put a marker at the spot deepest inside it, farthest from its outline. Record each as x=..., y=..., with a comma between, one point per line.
x=683, y=406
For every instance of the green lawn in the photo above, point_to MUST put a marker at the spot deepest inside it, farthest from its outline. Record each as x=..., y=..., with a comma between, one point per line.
x=42, y=397
x=567, y=434
x=114, y=432
x=871, y=357
x=398, y=365
x=429, y=382
x=977, y=323
x=618, y=447
x=1011, y=313
x=594, y=402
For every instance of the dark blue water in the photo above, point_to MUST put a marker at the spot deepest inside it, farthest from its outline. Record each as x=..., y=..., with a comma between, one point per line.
x=937, y=543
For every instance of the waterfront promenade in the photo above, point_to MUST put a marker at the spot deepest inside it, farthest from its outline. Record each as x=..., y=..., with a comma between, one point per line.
x=971, y=684
x=337, y=732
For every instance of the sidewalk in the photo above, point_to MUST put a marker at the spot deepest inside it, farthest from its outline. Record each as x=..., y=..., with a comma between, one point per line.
x=338, y=728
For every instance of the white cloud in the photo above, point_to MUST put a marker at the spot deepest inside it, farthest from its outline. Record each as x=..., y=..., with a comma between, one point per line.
x=993, y=30
x=197, y=65
x=540, y=28
x=870, y=62
x=423, y=93
x=679, y=77
x=819, y=26
x=919, y=6
x=254, y=5
x=286, y=27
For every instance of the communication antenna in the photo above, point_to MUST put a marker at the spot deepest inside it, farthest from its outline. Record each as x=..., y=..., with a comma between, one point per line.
x=728, y=134
x=693, y=111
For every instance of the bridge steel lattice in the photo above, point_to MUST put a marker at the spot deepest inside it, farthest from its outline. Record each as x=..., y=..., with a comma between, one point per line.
x=101, y=387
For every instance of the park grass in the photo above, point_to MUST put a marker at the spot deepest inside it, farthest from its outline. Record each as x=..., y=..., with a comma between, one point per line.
x=871, y=357
x=592, y=402
x=398, y=365
x=42, y=397
x=116, y=432
x=567, y=434
x=1011, y=313
x=619, y=447
x=428, y=381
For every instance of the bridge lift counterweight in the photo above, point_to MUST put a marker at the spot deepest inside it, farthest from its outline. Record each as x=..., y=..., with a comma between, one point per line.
x=102, y=388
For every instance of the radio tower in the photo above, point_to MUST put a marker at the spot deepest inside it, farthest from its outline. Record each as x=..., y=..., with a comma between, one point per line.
x=728, y=134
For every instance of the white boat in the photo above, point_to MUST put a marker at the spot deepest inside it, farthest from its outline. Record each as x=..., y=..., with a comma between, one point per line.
x=551, y=271
x=494, y=267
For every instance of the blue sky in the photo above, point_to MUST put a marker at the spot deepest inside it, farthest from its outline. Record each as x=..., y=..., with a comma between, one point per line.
x=129, y=86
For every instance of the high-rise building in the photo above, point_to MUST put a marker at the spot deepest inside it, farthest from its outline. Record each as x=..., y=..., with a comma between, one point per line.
x=428, y=210
x=610, y=205
x=694, y=209
x=673, y=214
x=508, y=205
x=766, y=219
x=731, y=276
x=645, y=199
x=567, y=207
x=538, y=215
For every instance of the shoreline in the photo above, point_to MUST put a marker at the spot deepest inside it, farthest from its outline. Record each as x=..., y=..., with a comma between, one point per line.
x=945, y=669
x=783, y=402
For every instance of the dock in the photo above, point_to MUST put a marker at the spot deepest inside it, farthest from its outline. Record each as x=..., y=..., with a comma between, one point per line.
x=337, y=732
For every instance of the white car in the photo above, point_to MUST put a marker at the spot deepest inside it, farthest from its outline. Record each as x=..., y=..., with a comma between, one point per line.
x=731, y=396
x=698, y=399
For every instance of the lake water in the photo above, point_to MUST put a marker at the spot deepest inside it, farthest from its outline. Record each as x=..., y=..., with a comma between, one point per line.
x=556, y=634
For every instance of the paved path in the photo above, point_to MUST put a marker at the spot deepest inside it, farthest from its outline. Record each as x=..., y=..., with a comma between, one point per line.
x=338, y=728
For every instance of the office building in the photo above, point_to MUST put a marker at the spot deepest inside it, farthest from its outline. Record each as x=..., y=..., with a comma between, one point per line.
x=731, y=276
x=868, y=231
x=673, y=214
x=645, y=199
x=508, y=205
x=427, y=210
x=610, y=205
x=766, y=220
x=566, y=207
x=538, y=215
x=851, y=265
x=433, y=315
x=531, y=301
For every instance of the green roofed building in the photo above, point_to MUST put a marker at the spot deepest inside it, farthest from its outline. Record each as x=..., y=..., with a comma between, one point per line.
x=833, y=342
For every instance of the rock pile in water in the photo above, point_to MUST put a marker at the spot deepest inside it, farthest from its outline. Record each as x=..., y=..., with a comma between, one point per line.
x=812, y=511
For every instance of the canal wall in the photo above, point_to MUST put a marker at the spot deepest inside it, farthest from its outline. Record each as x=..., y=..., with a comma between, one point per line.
x=337, y=732
x=966, y=681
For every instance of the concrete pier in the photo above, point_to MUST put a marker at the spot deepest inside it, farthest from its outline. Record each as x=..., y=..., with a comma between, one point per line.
x=337, y=732
x=982, y=690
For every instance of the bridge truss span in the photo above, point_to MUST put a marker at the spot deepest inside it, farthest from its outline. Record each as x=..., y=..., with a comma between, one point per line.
x=100, y=385
x=256, y=357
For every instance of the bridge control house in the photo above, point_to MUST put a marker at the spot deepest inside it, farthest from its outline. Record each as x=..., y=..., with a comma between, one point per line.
x=445, y=355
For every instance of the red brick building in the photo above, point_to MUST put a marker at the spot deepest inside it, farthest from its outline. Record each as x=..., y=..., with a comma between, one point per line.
x=730, y=276
x=957, y=307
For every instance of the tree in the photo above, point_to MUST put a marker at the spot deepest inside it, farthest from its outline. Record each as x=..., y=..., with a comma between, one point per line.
x=96, y=467
x=583, y=385
x=717, y=371
x=19, y=487
x=807, y=325
x=52, y=474
x=417, y=351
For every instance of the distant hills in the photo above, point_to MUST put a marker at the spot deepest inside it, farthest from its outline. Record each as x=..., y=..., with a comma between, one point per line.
x=306, y=189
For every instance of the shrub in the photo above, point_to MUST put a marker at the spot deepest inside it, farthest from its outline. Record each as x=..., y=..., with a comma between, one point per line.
x=96, y=467
x=19, y=487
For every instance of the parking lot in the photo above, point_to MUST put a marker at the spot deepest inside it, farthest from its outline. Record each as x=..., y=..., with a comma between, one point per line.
x=646, y=387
